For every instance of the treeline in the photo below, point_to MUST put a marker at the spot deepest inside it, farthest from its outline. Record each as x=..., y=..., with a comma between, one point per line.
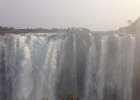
x=30, y=30
x=132, y=28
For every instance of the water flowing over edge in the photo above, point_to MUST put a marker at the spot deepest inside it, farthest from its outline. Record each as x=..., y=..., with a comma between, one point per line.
x=90, y=66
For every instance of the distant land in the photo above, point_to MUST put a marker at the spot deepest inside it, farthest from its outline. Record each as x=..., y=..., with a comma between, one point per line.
x=9, y=30
x=132, y=28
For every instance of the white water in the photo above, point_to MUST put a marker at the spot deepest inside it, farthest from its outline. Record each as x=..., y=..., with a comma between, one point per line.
x=41, y=66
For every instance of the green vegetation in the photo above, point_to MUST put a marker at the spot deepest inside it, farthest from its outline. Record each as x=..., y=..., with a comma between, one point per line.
x=132, y=28
x=29, y=30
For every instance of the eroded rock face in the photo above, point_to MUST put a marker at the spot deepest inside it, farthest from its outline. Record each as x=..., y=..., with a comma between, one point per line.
x=90, y=66
x=136, y=78
x=133, y=28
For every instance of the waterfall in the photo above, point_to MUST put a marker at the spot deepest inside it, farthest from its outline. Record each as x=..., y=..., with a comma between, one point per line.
x=51, y=66
x=91, y=72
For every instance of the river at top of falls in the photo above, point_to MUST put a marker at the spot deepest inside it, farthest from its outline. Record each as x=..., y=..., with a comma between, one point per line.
x=51, y=66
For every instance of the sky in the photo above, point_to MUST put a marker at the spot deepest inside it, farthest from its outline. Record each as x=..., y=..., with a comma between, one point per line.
x=92, y=14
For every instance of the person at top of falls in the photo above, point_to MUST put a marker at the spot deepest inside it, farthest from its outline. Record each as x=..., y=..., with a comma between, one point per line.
x=68, y=30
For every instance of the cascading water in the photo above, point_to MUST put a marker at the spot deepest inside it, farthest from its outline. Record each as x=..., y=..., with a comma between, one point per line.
x=50, y=66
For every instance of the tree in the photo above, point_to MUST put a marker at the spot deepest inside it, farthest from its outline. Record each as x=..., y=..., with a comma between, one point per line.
x=130, y=22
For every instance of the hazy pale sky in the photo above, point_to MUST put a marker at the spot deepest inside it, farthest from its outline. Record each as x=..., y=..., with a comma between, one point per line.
x=92, y=14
